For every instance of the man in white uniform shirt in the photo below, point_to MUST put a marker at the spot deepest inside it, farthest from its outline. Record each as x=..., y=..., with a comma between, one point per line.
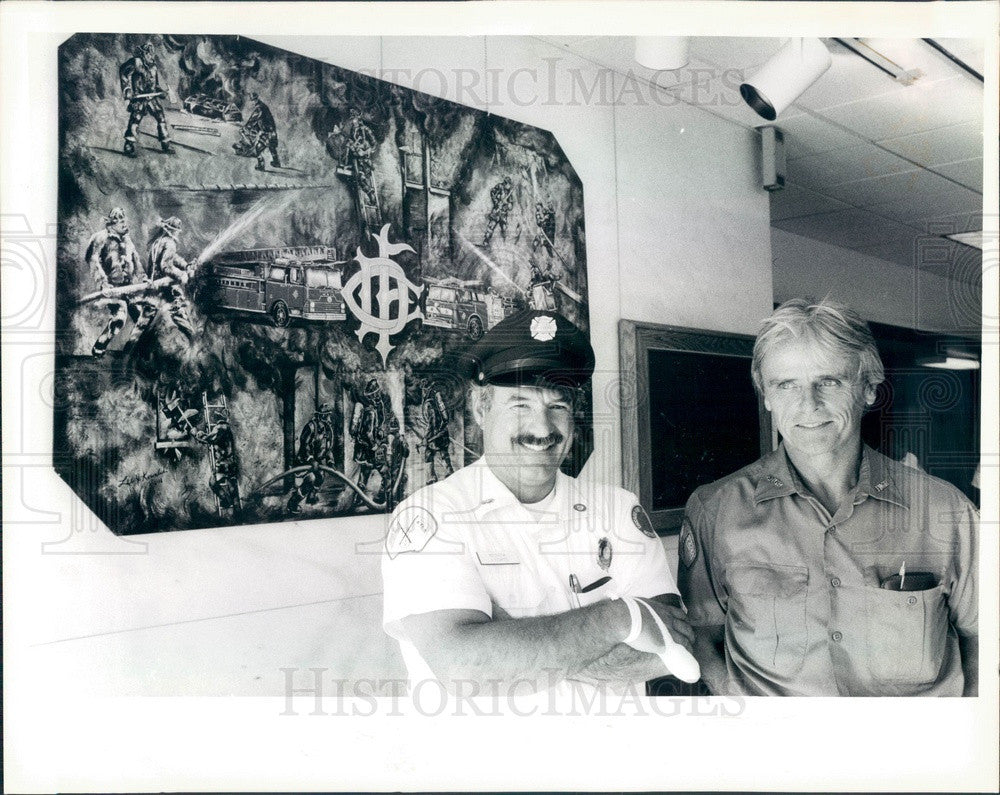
x=510, y=572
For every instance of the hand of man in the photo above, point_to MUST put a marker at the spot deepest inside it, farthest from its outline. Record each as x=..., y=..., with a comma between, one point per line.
x=672, y=644
x=674, y=619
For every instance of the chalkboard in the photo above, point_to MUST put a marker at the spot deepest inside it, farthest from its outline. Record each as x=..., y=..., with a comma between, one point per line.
x=700, y=409
x=690, y=414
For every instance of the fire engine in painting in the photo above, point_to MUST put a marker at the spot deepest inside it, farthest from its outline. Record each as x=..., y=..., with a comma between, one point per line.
x=283, y=283
x=465, y=306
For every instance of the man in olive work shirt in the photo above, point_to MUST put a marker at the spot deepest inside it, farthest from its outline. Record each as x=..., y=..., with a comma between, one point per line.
x=825, y=568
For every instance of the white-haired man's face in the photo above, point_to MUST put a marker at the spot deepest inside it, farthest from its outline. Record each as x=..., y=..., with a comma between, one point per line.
x=816, y=397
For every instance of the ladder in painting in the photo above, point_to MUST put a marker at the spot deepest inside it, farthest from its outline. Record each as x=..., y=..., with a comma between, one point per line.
x=215, y=412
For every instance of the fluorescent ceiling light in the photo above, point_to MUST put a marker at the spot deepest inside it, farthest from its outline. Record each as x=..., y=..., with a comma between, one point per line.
x=949, y=363
x=974, y=239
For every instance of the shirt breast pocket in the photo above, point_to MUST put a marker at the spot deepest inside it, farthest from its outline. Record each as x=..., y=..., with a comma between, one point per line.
x=516, y=594
x=907, y=634
x=768, y=603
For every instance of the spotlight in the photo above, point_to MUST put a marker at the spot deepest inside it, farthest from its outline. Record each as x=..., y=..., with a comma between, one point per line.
x=787, y=73
x=661, y=52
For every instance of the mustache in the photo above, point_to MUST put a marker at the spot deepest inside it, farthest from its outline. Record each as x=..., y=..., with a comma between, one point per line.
x=526, y=438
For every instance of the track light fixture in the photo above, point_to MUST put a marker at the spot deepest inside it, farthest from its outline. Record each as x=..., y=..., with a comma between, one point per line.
x=785, y=75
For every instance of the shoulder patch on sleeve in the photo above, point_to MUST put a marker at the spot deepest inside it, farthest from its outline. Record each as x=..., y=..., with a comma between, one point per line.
x=688, y=545
x=642, y=521
x=410, y=531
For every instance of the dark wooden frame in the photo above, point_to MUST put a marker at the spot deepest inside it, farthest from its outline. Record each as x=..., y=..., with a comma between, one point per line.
x=635, y=341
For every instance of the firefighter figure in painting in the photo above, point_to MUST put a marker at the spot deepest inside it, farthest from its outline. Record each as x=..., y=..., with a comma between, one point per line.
x=140, y=84
x=361, y=145
x=540, y=290
x=315, y=451
x=259, y=134
x=113, y=261
x=378, y=443
x=223, y=445
x=545, y=218
x=164, y=261
x=502, y=197
x=437, y=441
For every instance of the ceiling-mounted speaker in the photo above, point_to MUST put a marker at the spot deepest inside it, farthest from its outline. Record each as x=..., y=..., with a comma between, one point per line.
x=772, y=158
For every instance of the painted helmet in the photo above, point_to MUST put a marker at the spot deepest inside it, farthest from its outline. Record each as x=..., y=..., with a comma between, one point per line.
x=171, y=225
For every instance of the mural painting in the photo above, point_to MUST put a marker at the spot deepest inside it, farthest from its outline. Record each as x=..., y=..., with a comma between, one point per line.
x=268, y=268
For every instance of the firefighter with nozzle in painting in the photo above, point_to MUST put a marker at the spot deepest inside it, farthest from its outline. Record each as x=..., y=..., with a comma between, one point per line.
x=171, y=270
x=113, y=262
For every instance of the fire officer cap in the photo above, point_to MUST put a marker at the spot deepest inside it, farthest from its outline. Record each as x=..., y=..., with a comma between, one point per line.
x=529, y=346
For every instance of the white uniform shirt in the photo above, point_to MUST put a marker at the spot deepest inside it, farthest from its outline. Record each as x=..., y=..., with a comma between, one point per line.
x=468, y=543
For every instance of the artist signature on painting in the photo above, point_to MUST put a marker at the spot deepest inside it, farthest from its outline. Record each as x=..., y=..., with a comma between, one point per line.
x=135, y=480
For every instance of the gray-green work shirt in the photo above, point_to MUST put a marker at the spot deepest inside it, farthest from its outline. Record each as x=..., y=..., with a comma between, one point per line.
x=799, y=592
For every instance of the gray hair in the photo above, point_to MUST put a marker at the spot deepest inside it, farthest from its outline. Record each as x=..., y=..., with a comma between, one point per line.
x=831, y=325
x=480, y=395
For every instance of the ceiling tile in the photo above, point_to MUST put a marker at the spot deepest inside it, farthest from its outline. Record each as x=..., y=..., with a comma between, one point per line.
x=935, y=255
x=746, y=53
x=850, y=78
x=916, y=108
x=847, y=228
x=932, y=197
x=794, y=201
x=943, y=145
x=968, y=172
x=853, y=163
x=615, y=52
x=942, y=225
x=880, y=190
x=902, y=252
x=809, y=135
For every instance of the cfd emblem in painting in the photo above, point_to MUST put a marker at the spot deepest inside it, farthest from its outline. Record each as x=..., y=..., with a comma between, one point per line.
x=268, y=267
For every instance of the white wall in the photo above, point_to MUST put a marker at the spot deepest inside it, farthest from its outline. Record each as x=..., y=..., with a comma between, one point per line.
x=881, y=291
x=677, y=232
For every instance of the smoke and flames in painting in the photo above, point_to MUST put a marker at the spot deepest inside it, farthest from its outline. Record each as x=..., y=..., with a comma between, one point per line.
x=268, y=268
